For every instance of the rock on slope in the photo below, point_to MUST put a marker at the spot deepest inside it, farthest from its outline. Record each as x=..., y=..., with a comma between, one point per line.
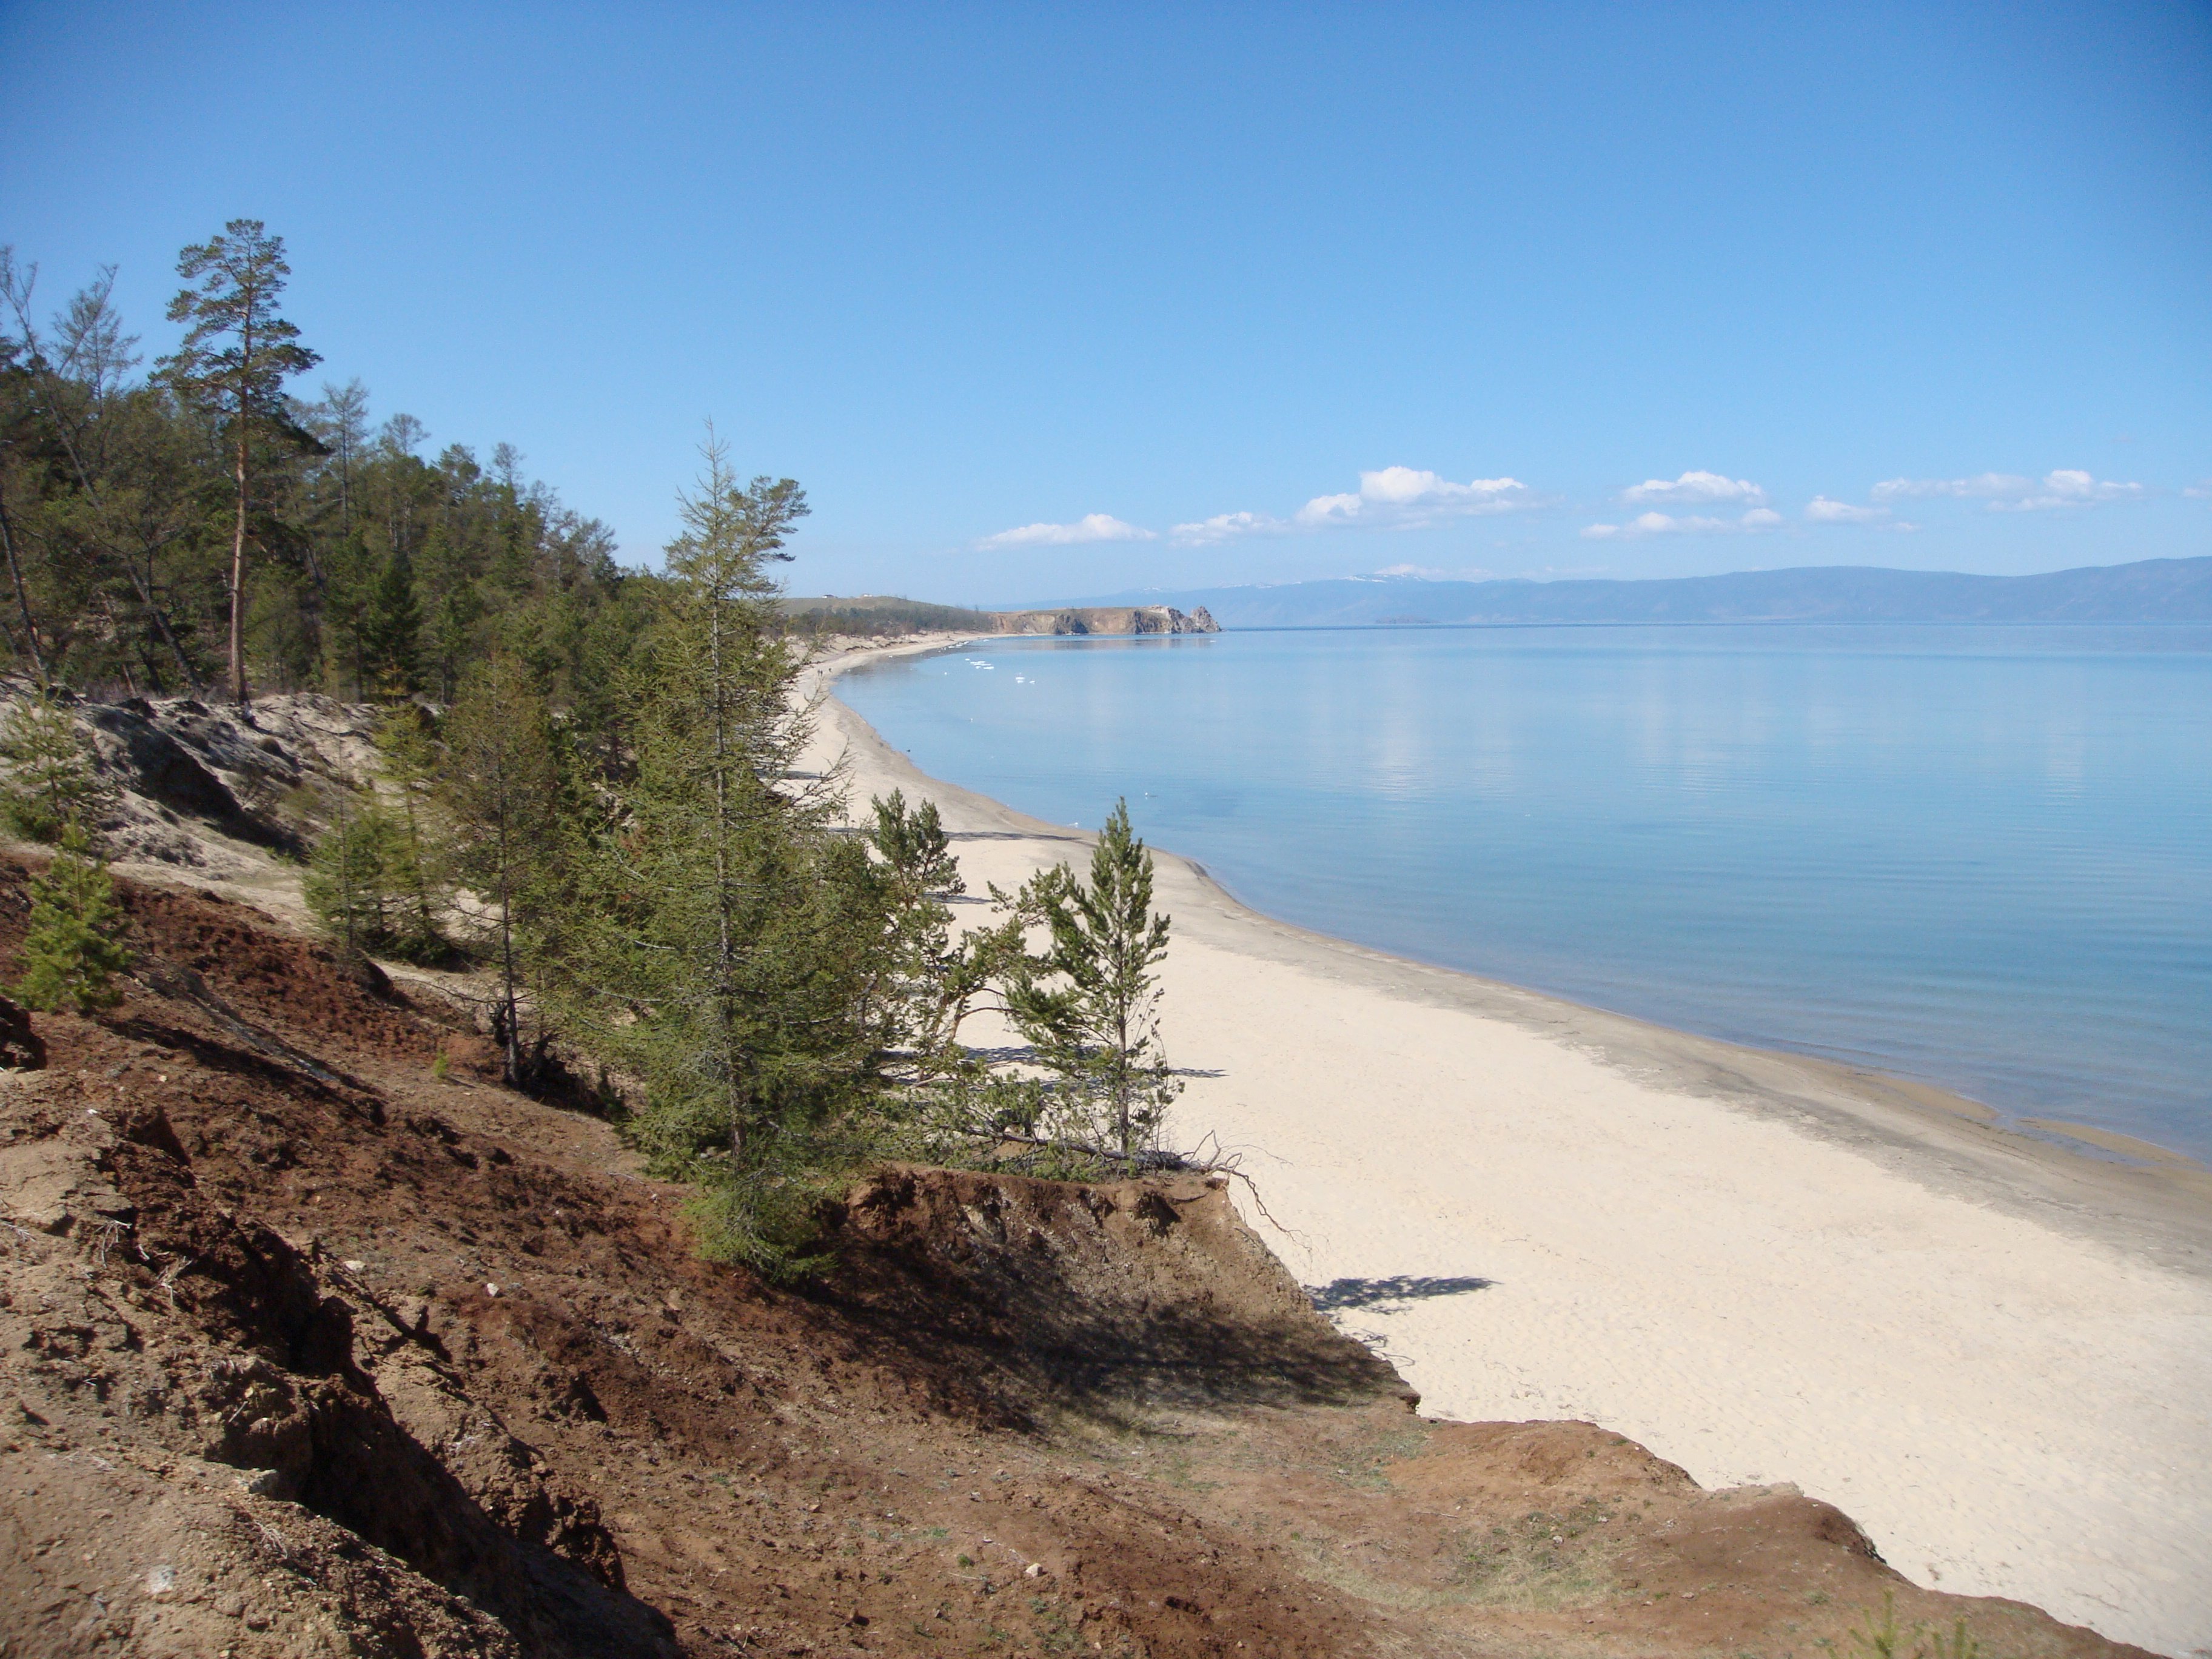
x=212, y=789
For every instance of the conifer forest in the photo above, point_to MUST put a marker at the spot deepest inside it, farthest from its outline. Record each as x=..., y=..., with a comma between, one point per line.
x=587, y=793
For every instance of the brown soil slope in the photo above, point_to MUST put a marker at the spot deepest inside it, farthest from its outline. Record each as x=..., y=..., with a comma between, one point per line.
x=306, y=1351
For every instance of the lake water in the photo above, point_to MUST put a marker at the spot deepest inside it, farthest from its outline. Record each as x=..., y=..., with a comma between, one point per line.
x=1978, y=856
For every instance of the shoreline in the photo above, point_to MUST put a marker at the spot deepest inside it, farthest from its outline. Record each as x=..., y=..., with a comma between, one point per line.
x=1767, y=1266
x=2155, y=1198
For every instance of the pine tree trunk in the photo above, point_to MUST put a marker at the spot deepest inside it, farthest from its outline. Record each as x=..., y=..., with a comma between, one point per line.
x=238, y=579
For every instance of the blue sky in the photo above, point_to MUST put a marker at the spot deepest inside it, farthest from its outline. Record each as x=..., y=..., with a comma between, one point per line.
x=1041, y=302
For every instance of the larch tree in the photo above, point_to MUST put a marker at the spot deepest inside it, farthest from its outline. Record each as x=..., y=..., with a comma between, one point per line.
x=49, y=778
x=710, y=846
x=344, y=882
x=72, y=941
x=498, y=785
x=406, y=755
x=735, y=937
x=237, y=352
x=931, y=981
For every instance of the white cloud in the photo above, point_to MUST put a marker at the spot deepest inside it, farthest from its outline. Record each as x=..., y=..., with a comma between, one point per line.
x=1091, y=527
x=1404, y=487
x=1324, y=510
x=2008, y=492
x=2199, y=491
x=1666, y=523
x=1393, y=498
x=1695, y=489
x=1229, y=527
x=1822, y=510
x=1983, y=486
x=1418, y=571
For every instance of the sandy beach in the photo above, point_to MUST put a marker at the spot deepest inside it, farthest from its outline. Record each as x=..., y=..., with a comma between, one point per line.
x=1994, y=1353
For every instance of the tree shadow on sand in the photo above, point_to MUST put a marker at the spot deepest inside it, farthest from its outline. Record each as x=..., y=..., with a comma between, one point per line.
x=1341, y=1294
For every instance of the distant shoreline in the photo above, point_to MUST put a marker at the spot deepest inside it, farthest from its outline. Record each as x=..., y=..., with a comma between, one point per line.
x=2142, y=590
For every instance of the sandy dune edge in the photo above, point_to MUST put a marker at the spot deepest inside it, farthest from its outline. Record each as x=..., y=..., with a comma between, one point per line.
x=1990, y=1351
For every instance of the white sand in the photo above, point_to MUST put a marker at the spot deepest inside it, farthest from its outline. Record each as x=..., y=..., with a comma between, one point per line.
x=1995, y=1356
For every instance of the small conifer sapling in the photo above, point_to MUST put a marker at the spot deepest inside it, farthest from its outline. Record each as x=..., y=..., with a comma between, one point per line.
x=72, y=953
x=52, y=782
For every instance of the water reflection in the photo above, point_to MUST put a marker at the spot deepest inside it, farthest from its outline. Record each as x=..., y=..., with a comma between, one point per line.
x=1977, y=855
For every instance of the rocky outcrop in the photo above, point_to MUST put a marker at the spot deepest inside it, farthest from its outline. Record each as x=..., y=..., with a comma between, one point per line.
x=1107, y=619
x=216, y=788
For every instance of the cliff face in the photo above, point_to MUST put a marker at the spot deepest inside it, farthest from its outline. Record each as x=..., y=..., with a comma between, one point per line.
x=1107, y=619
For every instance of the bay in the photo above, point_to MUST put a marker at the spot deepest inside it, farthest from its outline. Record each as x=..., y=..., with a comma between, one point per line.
x=1977, y=856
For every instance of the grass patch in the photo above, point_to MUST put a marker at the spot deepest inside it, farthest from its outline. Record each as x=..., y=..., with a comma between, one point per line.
x=1539, y=1562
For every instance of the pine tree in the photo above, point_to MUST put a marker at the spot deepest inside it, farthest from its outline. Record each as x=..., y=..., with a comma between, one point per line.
x=71, y=951
x=1090, y=1003
x=52, y=780
x=237, y=352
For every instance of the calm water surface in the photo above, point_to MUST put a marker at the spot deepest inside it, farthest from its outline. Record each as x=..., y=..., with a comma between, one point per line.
x=1982, y=857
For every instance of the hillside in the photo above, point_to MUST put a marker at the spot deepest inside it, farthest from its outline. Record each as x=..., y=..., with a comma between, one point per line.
x=2153, y=590
x=314, y=1340
x=879, y=616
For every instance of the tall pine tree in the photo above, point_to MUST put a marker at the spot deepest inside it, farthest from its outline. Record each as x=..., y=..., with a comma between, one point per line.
x=237, y=352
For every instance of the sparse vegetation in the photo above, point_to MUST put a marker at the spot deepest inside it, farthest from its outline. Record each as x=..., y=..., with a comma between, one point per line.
x=1879, y=1638
x=1540, y=1562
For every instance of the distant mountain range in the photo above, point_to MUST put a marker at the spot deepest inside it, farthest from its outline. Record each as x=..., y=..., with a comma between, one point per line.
x=2153, y=590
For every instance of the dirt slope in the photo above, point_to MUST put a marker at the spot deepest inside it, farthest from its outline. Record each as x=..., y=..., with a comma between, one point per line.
x=305, y=1350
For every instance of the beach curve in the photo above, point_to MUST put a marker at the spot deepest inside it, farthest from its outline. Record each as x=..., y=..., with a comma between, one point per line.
x=1987, y=1348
